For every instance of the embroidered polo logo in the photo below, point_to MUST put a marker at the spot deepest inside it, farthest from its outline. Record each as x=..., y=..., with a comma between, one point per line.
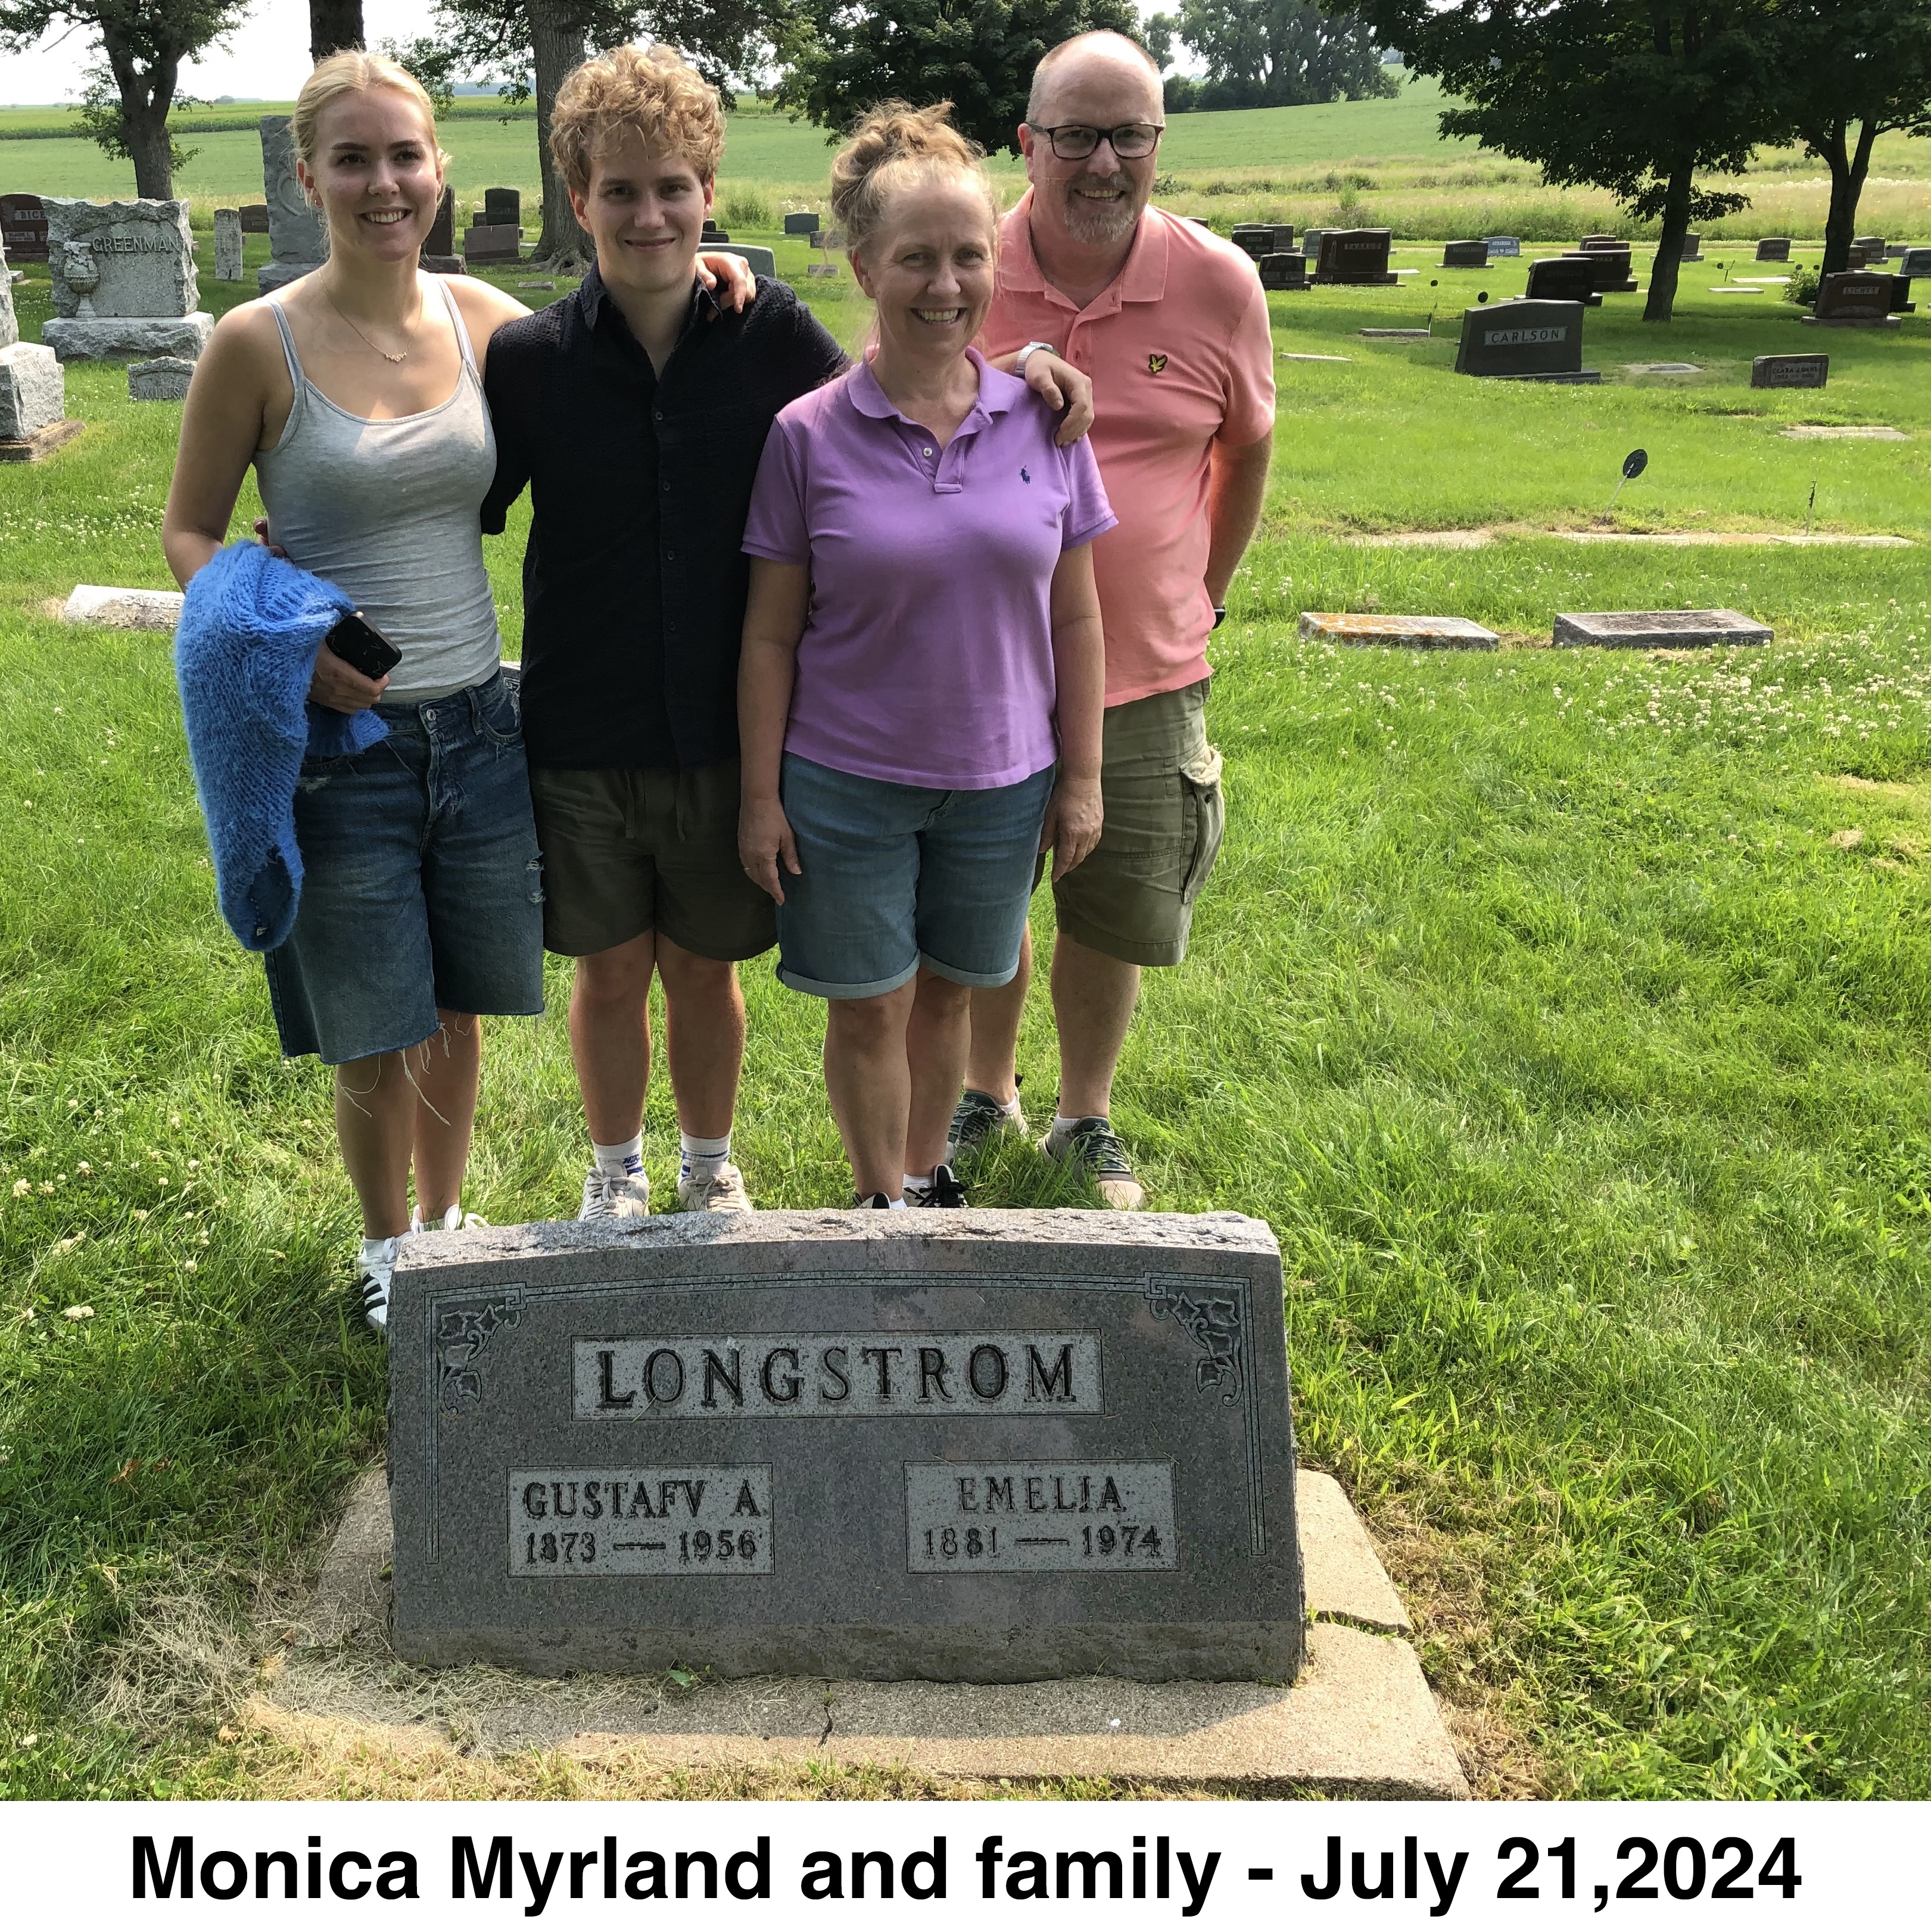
x=1026, y=474
x=1156, y=364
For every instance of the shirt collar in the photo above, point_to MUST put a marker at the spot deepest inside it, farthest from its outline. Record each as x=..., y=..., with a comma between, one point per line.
x=1143, y=279
x=995, y=397
x=593, y=298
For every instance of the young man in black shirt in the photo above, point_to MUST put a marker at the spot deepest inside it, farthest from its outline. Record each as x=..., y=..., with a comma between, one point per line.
x=636, y=410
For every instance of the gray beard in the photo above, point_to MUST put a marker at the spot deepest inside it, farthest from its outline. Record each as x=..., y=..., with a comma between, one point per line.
x=1095, y=221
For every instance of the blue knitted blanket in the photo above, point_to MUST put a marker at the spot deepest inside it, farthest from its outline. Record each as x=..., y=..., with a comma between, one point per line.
x=243, y=657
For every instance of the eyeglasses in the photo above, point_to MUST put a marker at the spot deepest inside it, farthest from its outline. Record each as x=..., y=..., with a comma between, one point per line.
x=1132, y=143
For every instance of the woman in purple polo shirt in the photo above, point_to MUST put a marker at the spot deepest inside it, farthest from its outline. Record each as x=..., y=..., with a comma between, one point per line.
x=922, y=674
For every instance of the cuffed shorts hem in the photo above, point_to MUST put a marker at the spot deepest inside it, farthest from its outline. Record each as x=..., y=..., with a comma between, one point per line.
x=831, y=989
x=959, y=976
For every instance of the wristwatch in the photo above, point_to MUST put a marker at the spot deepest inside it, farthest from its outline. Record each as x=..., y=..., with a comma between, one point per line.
x=1018, y=367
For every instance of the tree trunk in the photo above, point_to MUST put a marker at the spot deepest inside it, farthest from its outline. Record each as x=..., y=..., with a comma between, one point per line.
x=1661, y=304
x=145, y=98
x=557, y=42
x=334, y=25
x=145, y=129
x=1848, y=170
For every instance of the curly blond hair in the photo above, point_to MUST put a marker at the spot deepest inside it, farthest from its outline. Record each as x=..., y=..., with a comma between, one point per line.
x=894, y=145
x=651, y=89
x=353, y=71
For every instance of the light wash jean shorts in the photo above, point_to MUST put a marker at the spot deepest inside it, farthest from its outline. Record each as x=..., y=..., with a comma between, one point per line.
x=895, y=877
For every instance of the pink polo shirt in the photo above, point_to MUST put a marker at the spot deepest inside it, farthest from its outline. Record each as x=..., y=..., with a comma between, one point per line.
x=1180, y=353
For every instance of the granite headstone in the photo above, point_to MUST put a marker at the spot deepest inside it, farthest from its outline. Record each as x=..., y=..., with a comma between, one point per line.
x=123, y=280
x=1693, y=248
x=801, y=221
x=23, y=227
x=10, y=325
x=1464, y=254
x=33, y=386
x=254, y=217
x=502, y=208
x=1355, y=257
x=984, y=1447
x=1568, y=278
x=1610, y=259
x=227, y=245
x=1528, y=340
x=1914, y=262
x=760, y=260
x=298, y=241
x=437, y=254
x=1790, y=372
x=1256, y=239
x=1286, y=270
x=482, y=244
x=1773, y=248
x=1854, y=298
x=1500, y=245
x=163, y=380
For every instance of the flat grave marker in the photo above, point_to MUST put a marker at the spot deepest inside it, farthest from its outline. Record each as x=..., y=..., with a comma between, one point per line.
x=989, y=1447
x=1658, y=630
x=165, y=379
x=1844, y=432
x=1524, y=341
x=1373, y=627
x=1790, y=372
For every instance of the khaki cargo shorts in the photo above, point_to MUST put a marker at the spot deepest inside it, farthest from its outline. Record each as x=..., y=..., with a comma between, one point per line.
x=628, y=853
x=1160, y=781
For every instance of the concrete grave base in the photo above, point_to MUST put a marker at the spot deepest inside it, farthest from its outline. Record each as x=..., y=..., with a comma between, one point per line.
x=112, y=609
x=1351, y=627
x=42, y=442
x=1398, y=334
x=109, y=338
x=1849, y=321
x=1360, y=1721
x=1658, y=630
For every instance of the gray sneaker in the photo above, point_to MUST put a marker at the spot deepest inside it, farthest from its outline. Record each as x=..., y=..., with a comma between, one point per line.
x=611, y=1197
x=976, y=1119
x=1092, y=1142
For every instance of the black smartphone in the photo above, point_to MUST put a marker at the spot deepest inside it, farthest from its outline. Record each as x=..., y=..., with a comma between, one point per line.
x=359, y=644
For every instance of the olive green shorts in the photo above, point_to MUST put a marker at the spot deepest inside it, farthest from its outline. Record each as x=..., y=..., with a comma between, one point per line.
x=1160, y=782
x=628, y=853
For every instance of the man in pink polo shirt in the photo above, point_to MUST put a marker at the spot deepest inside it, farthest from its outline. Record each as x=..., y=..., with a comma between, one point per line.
x=1170, y=324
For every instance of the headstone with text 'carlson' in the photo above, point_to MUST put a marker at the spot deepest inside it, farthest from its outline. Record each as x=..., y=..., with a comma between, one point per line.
x=979, y=1447
x=1525, y=341
x=123, y=280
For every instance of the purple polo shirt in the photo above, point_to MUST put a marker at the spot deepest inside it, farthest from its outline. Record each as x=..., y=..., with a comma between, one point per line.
x=927, y=653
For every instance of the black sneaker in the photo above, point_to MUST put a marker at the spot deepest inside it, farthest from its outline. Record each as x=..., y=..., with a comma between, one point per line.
x=945, y=1192
x=976, y=1119
x=1092, y=1142
x=876, y=1201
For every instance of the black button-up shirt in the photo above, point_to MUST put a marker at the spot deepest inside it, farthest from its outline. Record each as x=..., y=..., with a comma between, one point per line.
x=634, y=583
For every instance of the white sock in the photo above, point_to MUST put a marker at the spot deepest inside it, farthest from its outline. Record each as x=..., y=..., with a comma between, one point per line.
x=921, y=1181
x=625, y=1157
x=865, y=1201
x=702, y=1160
x=1063, y=1124
x=445, y=1223
x=899, y=1203
x=379, y=1256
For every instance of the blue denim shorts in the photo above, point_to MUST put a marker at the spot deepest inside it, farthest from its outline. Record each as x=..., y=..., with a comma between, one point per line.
x=422, y=883
x=895, y=877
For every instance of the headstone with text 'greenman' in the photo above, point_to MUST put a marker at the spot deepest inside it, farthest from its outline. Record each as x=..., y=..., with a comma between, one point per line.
x=982, y=1446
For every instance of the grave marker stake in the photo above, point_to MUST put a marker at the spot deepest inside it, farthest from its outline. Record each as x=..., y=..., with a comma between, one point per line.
x=1809, y=508
x=1634, y=464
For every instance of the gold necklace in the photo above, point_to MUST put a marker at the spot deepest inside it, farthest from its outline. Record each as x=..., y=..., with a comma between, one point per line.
x=383, y=352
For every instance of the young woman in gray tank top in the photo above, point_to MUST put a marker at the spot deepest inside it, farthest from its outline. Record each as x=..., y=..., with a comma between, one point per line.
x=356, y=393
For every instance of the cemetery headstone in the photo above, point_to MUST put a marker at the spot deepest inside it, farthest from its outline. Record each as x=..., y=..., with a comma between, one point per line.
x=227, y=245
x=1610, y=258
x=1901, y=303
x=1355, y=257
x=1876, y=244
x=762, y=261
x=1528, y=340
x=1693, y=248
x=502, y=208
x=1421, y=634
x=1283, y=270
x=437, y=254
x=1500, y=245
x=1464, y=254
x=33, y=388
x=1773, y=248
x=482, y=244
x=825, y=240
x=712, y=232
x=255, y=218
x=1854, y=298
x=124, y=281
x=1565, y=278
x=1914, y=262
x=23, y=227
x=297, y=239
x=1790, y=372
x=1658, y=630
x=994, y=1448
x=1264, y=237
x=1599, y=242
x=163, y=380
x=1310, y=247
x=801, y=221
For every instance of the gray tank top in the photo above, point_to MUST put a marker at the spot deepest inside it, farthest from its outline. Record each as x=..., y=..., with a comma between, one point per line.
x=388, y=511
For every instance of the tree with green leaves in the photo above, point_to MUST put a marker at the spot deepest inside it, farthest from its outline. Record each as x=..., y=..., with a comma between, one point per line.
x=143, y=45
x=1280, y=53
x=1639, y=96
x=530, y=47
x=842, y=59
x=1844, y=66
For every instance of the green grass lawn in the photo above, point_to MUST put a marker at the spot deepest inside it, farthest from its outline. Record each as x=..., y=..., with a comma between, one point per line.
x=1565, y=1012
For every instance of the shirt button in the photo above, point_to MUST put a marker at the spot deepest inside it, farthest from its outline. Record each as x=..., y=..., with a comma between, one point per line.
x=656, y=415
x=429, y=717
x=928, y=452
x=670, y=557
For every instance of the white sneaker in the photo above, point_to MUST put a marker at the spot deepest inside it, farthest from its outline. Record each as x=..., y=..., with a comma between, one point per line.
x=723, y=1193
x=450, y=1223
x=614, y=1197
x=378, y=1272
